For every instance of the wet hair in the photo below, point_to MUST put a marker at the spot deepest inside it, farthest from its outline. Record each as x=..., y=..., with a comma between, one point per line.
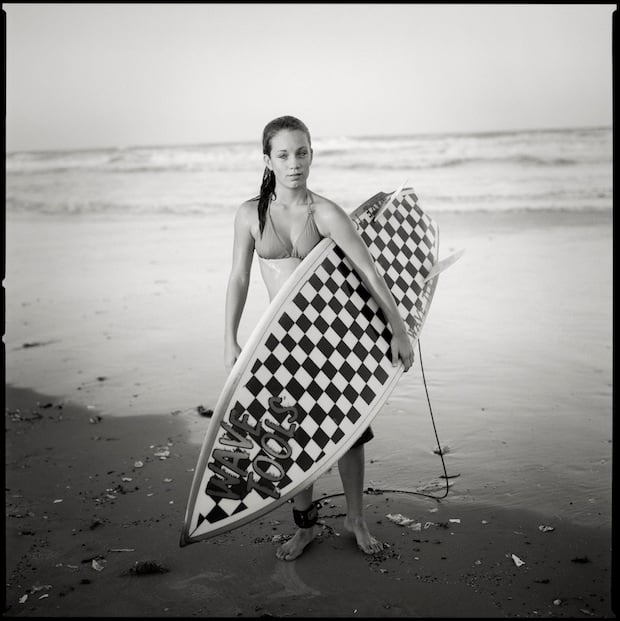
x=268, y=185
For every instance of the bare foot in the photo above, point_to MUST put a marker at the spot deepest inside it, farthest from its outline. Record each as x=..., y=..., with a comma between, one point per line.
x=294, y=547
x=365, y=540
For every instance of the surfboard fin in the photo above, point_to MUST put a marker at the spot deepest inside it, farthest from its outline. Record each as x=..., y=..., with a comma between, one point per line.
x=444, y=264
x=390, y=200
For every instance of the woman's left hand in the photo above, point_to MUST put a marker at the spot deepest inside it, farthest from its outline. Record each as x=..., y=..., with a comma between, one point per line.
x=401, y=348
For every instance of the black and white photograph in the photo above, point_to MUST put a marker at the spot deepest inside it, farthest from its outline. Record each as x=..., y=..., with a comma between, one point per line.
x=308, y=310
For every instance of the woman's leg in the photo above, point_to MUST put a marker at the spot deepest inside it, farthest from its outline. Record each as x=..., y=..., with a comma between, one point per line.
x=351, y=468
x=294, y=547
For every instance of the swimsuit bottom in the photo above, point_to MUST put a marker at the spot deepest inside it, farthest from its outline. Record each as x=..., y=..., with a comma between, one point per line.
x=367, y=436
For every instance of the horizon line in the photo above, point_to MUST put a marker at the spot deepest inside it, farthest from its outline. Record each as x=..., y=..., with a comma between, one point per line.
x=489, y=132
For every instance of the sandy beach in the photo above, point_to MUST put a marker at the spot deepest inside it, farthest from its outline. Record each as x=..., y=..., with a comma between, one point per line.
x=114, y=338
x=82, y=514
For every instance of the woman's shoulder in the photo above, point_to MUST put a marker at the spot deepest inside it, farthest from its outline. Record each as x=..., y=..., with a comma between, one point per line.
x=324, y=205
x=251, y=203
x=248, y=208
x=326, y=208
x=247, y=214
x=329, y=217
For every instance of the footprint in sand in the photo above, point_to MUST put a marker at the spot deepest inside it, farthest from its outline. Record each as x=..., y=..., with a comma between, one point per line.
x=201, y=585
x=286, y=575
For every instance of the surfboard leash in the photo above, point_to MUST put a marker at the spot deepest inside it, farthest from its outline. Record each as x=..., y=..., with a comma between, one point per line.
x=430, y=409
x=440, y=452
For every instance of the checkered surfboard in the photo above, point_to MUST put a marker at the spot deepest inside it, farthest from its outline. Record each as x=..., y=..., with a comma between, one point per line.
x=314, y=372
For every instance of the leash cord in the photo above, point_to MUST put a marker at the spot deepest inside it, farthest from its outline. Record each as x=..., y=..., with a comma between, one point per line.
x=443, y=463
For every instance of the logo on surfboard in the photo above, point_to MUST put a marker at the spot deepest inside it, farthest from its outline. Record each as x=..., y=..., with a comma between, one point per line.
x=234, y=472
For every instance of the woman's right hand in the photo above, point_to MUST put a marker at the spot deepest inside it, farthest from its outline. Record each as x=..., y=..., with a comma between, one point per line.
x=231, y=353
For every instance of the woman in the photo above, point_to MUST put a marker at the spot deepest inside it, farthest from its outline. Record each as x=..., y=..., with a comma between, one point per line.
x=282, y=225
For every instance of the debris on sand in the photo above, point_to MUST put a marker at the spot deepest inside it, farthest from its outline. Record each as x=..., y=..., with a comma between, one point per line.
x=401, y=520
x=163, y=452
x=36, y=344
x=35, y=589
x=98, y=564
x=17, y=416
x=143, y=568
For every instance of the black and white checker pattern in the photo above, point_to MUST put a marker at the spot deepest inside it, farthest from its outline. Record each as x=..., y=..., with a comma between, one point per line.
x=329, y=353
x=404, y=245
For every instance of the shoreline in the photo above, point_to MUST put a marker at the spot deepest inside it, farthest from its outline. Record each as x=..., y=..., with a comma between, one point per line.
x=81, y=512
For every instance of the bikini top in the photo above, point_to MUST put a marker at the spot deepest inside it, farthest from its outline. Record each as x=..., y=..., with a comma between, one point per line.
x=270, y=245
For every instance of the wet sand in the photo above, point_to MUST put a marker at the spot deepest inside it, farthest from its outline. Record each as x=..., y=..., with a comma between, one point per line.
x=114, y=339
x=81, y=514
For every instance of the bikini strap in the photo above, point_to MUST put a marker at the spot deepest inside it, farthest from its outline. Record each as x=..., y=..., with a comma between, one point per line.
x=273, y=228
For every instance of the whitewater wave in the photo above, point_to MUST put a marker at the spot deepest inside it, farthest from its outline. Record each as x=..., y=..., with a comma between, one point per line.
x=546, y=168
x=413, y=164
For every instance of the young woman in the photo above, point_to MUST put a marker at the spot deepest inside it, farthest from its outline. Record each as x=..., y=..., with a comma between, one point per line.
x=282, y=225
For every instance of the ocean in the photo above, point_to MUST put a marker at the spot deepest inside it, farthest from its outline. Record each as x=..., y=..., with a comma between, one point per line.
x=567, y=169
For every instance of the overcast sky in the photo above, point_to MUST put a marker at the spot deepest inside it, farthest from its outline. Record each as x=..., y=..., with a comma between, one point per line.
x=97, y=75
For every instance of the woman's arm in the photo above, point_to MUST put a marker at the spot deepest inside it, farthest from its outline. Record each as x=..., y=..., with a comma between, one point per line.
x=333, y=222
x=238, y=282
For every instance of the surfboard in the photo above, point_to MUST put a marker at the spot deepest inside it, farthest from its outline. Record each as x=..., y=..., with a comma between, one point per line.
x=314, y=372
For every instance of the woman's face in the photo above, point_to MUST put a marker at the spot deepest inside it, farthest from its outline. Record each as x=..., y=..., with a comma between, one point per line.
x=290, y=158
